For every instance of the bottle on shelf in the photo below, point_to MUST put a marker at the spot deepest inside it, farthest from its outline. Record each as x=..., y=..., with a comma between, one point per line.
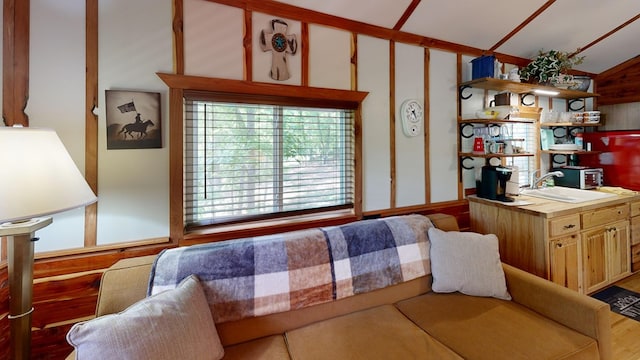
x=579, y=141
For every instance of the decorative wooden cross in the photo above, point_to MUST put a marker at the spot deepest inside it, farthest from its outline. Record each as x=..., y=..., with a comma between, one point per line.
x=279, y=43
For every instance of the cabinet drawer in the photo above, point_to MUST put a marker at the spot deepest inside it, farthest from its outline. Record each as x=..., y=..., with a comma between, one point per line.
x=564, y=225
x=604, y=216
x=635, y=208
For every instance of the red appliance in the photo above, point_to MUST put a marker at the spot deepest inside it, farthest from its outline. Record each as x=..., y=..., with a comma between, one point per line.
x=618, y=154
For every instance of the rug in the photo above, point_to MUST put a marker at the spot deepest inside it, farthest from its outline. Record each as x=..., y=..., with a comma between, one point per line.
x=622, y=301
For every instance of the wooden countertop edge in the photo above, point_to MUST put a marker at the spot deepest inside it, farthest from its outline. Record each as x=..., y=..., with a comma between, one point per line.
x=551, y=208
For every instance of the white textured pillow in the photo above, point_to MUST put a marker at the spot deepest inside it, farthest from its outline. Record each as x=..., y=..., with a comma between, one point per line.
x=467, y=262
x=175, y=324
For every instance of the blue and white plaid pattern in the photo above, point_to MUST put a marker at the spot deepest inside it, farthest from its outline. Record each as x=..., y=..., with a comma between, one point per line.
x=269, y=274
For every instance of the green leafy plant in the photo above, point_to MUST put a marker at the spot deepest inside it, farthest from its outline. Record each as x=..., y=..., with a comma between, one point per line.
x=549, y=67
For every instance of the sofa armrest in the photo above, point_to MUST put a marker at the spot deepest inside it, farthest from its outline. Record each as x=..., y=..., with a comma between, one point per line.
x=582, y=313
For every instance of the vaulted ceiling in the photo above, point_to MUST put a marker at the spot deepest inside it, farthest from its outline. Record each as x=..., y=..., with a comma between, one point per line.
x=605, y=31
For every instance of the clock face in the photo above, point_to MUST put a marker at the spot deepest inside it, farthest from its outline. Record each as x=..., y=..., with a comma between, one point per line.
x=412, y=116
x=412, y=111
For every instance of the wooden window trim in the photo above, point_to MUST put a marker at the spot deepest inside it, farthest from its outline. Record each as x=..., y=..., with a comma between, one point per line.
x=286, y=95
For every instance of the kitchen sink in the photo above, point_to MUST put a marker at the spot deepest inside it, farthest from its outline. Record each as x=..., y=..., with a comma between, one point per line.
x=565, y=194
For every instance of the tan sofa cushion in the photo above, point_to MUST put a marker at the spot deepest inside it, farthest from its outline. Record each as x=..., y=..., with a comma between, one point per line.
x=268, y=348
x=378, y=333
x=489, y=328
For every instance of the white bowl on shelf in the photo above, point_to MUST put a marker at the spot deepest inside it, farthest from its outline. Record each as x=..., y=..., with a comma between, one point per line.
x=564, y=147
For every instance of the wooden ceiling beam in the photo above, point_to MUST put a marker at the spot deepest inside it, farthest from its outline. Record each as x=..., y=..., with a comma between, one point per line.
x=314, y=17
x=15, y=65
x=523, y=24
x=620, y=27
x=407, y=14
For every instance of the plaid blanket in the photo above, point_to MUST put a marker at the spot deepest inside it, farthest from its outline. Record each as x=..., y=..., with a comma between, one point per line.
x=269, y=274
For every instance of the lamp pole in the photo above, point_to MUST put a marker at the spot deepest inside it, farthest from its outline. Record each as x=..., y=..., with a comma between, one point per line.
x=20, y=265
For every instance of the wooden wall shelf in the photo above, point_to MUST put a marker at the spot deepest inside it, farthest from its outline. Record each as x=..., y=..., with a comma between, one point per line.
x=525, y=88
x=491, y=155
x=569, y=124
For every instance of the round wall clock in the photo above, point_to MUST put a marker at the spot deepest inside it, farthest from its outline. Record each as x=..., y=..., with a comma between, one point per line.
x=412, y=117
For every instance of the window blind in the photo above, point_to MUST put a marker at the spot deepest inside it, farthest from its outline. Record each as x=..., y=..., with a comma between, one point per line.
x=252, y=161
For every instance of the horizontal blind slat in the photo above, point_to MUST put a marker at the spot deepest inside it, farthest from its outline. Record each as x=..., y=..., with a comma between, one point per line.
x=245, y=159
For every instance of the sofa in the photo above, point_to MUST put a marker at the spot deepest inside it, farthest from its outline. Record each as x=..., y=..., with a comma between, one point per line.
x=388, y=310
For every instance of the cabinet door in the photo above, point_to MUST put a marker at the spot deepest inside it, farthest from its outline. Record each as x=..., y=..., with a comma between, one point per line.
x=594, y=259
x=565, y=266
x=618, y=248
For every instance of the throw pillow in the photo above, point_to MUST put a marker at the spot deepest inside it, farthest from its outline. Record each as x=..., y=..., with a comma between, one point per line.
x=175, y=324
x=467, y=262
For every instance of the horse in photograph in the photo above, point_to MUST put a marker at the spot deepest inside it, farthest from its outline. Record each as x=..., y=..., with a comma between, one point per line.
x=136, y=127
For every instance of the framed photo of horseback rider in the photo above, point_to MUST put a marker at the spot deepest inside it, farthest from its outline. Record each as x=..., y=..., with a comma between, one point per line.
x=133, y=119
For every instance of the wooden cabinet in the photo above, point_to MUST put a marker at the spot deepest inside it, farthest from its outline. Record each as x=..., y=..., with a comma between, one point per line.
x=605, y=246
x=564, y=251
x=635, y=235
x=605, y=255
x=582, y=248
x=565, y=264
x=618, y=251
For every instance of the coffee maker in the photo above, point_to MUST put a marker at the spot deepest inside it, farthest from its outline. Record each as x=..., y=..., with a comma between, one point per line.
x=493, y=183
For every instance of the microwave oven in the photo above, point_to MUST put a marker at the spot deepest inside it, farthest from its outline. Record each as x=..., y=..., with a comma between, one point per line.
x=579, y=177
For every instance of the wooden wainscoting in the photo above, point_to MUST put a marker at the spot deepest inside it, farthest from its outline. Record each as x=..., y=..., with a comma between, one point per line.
x=65, y=291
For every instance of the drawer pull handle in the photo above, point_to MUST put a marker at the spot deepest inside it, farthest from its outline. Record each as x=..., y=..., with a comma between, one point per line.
x=570, y=226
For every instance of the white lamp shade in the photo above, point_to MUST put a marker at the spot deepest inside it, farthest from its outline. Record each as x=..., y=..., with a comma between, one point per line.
x=37, y=175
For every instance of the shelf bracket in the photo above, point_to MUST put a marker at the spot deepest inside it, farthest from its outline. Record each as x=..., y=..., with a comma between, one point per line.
x=461, y=90
x=573, y=101
x=523, y=100
x=463, y=126
x=462, y=165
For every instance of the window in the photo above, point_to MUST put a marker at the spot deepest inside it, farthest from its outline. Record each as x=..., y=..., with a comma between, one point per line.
x=525, y=164
x=247, y=162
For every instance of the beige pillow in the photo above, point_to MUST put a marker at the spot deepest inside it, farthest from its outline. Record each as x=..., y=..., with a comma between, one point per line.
x=175, y=324
x=466, y=262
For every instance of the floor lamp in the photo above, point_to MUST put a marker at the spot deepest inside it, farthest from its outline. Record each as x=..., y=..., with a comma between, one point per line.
x=38, y=179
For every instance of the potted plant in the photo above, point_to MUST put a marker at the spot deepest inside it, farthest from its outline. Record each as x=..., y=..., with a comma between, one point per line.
x=550, y=67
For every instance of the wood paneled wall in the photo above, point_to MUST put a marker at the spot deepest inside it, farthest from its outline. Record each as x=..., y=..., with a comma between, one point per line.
x=620, y=84
x=65, y=291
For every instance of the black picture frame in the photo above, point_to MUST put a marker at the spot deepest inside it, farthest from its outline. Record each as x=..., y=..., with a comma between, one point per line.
x=133, y=119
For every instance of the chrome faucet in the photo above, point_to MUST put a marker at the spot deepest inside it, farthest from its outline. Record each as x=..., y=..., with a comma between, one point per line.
x=535, y=181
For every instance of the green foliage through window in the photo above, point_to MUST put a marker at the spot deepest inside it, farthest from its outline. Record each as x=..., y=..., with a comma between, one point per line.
x=244, y=161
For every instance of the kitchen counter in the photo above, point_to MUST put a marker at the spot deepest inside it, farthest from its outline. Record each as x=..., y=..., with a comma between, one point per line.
x=584, y=246
x=552, y=208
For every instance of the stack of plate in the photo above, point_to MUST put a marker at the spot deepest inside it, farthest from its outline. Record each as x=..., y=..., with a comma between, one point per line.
x=564, y=147
x=591, y=116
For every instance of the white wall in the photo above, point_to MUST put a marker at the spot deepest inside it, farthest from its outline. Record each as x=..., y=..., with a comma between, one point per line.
x=136, y=41
x=410, y=171
x=373, y=76
x=56, y=97
x=211, y=49
x=443, y=146
x=329, y=58
x=133, y=184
